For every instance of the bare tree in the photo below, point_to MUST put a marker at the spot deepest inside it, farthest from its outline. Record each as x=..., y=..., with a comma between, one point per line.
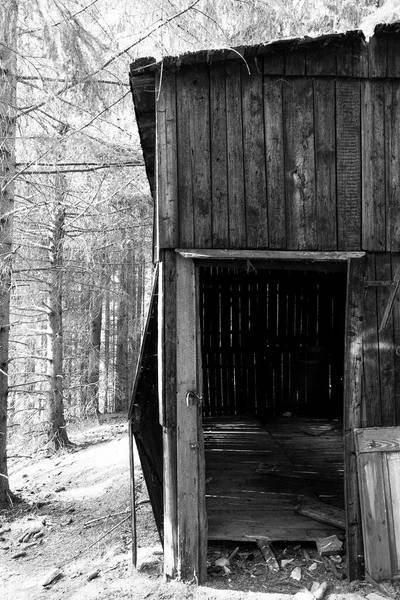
x=8, y=64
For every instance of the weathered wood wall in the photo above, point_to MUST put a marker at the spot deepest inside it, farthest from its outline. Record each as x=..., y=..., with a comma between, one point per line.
x=300, y=154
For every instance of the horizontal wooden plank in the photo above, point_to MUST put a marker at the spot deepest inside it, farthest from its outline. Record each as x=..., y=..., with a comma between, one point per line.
x=293, y=255
x=377, y=439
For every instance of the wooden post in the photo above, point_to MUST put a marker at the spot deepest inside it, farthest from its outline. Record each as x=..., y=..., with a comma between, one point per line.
x=353, y=368
x=167, y=403
x=192, y=532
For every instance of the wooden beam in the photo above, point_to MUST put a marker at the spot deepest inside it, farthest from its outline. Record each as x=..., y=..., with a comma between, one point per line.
x=293, y=255
x=353, y=369
x=391, y=299
x=192, y=531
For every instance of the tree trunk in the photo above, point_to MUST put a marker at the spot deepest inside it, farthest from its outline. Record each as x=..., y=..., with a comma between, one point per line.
x=8, y=84
x=55, y=421
x=106, y=348
x=122, y=345
x=94, y=352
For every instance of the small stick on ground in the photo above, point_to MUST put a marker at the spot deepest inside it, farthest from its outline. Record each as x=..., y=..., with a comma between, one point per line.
x=118, y=514
x=268, y=555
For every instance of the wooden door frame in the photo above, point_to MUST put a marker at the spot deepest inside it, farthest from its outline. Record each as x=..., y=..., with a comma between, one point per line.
x=185, y=519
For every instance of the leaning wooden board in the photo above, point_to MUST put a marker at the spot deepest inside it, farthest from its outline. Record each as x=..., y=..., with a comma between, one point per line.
x=378, y=456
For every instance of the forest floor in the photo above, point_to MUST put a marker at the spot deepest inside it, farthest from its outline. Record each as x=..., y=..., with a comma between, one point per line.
x=74, y=523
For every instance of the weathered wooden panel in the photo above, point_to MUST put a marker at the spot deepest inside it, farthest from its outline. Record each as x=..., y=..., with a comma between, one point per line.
x=348, y=143
x=321, y=60
x=377, y=52
x=254, y=159
x=167, y=173
x=234, y=117
x=372, y=409
x=373, y=166
x=219, y=158
x=325, y=162
x=393, y=52
x=392, y=163
x=353, y=375
x=274, y=148
x=194, y=158
x=300, y=164
x=378, y=451
x=386, y=345
x=190, y=463
x=396, y=343
x=167, y=391
x=295, y=62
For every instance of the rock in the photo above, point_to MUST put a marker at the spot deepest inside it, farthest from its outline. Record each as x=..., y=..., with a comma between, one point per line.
x=374, y=596
x=319, y=593
x=51, y=577
x=61, y=488
x=28, y=533
x=20, y=554
x=313, y=567
x=303, y=595
x=296, y=574
x=222, y=562
x=329, y=545
x=314, y=586
x=93, y=575
x=286, y=561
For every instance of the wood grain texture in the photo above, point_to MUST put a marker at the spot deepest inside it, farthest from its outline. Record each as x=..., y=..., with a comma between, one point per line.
x=234, y=117
x=167, y=392
x=295, y=62
x=378, y=439
x=219, y=158
x=372, y=409
x=300, y=165
x=373, y=166
x=254, y=159
x=325, y=159
x=190, y=463
x=392, y=160
x=167, y=154
x=353, y=375
x=374, y=516
x=185, y=178
x=396, y=342
x=393, y=476
x=348, y=144
x=274, y=149
x=385, y=340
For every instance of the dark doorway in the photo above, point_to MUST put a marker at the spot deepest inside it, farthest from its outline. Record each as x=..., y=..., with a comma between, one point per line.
x=273, y=341
x=272, y=354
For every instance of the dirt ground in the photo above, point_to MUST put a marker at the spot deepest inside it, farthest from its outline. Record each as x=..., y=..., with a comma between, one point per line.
x=74, y=523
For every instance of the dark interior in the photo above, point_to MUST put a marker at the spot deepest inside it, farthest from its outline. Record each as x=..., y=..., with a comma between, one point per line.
x=273, y=341
x=272, y=355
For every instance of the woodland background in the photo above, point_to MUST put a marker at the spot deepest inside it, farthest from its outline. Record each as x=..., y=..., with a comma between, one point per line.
x=75, y=207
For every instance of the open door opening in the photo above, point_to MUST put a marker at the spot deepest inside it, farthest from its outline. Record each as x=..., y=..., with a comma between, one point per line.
x=272, y=342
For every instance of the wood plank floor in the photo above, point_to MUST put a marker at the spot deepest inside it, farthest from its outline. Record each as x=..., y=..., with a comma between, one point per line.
x=256, y=475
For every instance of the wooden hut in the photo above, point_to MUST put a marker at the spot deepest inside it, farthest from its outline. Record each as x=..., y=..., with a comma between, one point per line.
x=274, y=330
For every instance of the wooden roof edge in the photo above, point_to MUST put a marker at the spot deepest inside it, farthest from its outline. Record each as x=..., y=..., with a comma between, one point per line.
x=208, y=56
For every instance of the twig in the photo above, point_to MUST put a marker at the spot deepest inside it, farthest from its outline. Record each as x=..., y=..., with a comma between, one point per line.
x=104, y=518
x=96, y=541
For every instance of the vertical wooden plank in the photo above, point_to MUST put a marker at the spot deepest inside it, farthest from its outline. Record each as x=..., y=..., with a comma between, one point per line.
x=190, y=473
x=219, y=157
x=254, y=159
x=273, y=63
x=274, y=148
x=132, y=493
x=374, y=516
x=392, y=160
x=295, y=62
x=325, y=160
x=301, y=210
x=167, y=400
x=372, y=376
x=321, y=60
x=167, y=154
x=348, y=143
x=393, y=465
x=393, y=50
x=377, y=50
x=386, y=343
x=185, y=180
x=237, y=214
x=352, y=411
x=396, y=341
x=202, y=516
x=373, y=166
